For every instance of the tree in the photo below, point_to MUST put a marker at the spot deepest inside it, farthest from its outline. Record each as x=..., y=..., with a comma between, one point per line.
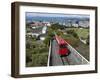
x=39, y=60
x=72, y=32
x=47, y=40
x=75, y=35
x=59, y=33
x=56, y=26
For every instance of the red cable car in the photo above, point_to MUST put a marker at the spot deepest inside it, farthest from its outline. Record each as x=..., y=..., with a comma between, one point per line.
x=63, y=50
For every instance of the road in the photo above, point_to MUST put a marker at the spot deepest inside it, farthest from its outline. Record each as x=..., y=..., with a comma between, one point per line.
x=72, y=59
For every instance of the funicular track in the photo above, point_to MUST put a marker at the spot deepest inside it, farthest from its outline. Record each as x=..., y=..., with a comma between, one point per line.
x=74, y=58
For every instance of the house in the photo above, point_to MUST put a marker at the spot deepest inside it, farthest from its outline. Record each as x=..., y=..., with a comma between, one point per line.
x=84, y=23
x=42, y=36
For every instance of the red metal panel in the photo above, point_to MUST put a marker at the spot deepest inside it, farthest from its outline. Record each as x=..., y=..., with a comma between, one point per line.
x=60, y=40
x=63, y=51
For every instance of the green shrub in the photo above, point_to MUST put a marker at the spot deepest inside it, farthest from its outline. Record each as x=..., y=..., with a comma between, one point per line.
x=72, y=32
x=39, y=60
x=75, y=35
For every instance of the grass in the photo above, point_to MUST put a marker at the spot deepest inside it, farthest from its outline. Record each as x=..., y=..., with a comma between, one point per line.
x=82, y=48
x=71, y=40
x=82, y=32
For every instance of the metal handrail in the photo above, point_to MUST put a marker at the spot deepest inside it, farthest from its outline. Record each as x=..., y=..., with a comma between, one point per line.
x=49, y=54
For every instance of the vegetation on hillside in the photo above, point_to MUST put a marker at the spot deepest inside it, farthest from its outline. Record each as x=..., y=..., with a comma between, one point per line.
x=37, y=51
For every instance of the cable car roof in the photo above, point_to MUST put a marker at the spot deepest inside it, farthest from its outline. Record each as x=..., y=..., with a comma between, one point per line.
x=60, y=40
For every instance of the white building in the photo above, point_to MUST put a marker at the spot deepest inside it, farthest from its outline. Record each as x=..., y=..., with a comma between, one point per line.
x=44, y=30
x=75, y=25
x=33, y=34
x=84, y=24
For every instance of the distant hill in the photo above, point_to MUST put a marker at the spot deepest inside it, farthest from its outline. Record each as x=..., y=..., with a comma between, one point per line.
x=55, y=19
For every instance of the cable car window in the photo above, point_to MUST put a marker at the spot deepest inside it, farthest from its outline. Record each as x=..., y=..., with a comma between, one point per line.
x=63, y=46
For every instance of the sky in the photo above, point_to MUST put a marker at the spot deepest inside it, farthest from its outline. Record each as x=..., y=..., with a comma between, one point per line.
x=37, y=14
